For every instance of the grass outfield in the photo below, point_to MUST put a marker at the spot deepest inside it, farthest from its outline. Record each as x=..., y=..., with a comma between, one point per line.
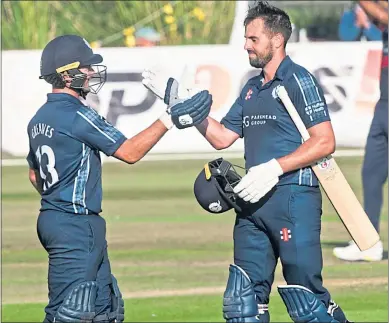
x=207, y=308
x=170, y=257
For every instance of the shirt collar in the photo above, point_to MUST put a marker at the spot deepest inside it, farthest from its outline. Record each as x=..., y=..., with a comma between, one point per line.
x=281, y=70
x=53, y=97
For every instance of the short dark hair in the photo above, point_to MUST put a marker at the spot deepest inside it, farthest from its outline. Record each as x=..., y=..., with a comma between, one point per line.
x=276, y=20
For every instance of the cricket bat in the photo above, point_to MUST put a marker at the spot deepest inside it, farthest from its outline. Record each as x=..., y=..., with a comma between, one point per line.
x=337, y=188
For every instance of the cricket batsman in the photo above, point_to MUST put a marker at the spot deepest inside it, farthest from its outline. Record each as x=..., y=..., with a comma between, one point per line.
x=65, y=139
x=280, y=204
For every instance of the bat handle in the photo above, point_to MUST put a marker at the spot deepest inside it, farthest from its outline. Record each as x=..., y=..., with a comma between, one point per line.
x=284, y=97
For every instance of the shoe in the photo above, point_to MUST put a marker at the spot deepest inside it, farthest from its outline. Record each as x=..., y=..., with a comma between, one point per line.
x=352, y=252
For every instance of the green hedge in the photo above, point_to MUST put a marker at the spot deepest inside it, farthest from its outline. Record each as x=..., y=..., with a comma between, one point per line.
x=31, y=24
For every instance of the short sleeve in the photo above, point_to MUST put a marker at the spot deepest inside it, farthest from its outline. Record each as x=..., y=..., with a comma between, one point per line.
x=308, y=98
x=92, y=129
x=234, y=117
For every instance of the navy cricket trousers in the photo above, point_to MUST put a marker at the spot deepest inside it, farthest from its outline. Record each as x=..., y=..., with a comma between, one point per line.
x=375, y=164
x=285, y=224
x=77, y=251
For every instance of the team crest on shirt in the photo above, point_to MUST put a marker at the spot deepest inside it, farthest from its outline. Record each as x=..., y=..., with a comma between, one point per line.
x=248, y=94
x=274, y=93
x=286, y=234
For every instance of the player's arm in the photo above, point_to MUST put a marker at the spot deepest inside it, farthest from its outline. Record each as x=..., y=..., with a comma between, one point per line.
x=223, y=134
x=308, y=98
x=33, y=172
x=187, y=113
x=35, y=179
x=93, y=130
x=319, y=145
x=378, y=10
x=217, y=134
x=135, y=148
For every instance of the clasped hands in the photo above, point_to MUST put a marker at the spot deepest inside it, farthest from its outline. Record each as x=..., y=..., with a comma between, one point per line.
x=187, y=106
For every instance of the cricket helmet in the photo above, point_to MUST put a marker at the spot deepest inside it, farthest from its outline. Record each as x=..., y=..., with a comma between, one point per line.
x=64, y=56
x=214, y=186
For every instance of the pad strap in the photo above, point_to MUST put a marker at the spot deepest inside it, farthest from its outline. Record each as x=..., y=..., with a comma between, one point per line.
x=117, y=306
x=117, y=301
x=303, y=306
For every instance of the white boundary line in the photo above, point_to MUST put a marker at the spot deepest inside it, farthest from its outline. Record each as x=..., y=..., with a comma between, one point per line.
x=189, y=156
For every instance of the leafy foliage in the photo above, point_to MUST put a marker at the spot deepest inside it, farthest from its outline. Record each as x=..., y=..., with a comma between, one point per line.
x=31, y=24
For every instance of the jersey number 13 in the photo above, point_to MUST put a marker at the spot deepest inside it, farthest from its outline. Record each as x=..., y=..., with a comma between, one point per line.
x=48, y=181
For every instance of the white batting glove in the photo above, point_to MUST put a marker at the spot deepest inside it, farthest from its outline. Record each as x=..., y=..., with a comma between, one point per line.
x=258, y=181
x=156, y=80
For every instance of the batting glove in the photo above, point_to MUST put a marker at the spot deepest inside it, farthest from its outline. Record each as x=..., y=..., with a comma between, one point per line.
x=192, y=111
x=258, y=181
x=155, y=79
x=175, y=94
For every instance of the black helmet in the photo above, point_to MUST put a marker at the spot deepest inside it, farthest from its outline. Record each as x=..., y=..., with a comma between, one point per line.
x=64, y=55
x=214, y=186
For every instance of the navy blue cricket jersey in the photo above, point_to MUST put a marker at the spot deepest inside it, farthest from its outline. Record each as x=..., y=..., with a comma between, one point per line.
x=260, y=118
x=65, y=140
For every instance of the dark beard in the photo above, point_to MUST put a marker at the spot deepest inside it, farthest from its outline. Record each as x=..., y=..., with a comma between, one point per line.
x=261, y=62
